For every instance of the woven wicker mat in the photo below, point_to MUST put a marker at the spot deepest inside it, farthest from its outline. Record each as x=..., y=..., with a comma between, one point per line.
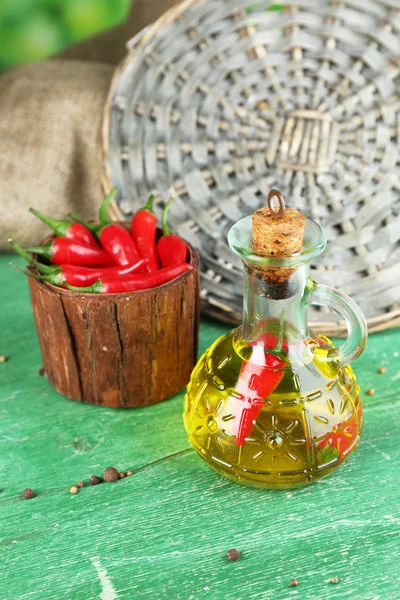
x=223, y=101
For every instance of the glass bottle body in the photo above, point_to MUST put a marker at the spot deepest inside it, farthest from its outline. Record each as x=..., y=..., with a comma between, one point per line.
x=300, y=431
x=271, y=404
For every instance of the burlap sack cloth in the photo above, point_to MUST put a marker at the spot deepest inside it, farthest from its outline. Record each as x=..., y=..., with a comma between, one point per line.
x=50, y=126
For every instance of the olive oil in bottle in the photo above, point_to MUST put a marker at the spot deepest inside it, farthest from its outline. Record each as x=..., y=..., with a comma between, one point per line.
x=272, y=404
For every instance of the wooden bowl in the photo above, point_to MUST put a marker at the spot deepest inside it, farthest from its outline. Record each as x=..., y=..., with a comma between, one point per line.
x=119, y=350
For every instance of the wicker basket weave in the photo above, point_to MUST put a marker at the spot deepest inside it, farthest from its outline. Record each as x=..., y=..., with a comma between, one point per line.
x=223, y=101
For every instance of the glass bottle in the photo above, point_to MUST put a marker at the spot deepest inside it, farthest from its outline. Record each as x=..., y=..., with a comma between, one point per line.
x=272, y=404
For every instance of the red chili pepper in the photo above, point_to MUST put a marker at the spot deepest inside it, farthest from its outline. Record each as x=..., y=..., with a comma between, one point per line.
x=271, y=341
x=83, y=276
x=114, y=238
x=70, y=275
x=75, y=275
x=117, y=241
x=133, y=283
x=72, y=231
x=342, y=438
x=256, y=383
x=143, y=230
x=171, y=249
x=63, y=251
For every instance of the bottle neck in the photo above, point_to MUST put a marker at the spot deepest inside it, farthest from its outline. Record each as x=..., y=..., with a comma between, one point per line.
x=274, y=303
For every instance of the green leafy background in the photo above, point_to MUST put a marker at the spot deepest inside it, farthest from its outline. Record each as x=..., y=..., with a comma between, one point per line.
x=34, y=29
x=31, y=30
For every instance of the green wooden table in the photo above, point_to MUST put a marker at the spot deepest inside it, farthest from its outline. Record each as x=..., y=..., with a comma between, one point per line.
x=164, y=532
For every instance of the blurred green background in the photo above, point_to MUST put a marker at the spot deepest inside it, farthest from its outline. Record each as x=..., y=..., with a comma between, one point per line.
x=34, y=29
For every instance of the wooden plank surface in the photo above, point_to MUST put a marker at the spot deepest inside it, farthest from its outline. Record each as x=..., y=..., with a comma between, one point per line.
x=164, y=532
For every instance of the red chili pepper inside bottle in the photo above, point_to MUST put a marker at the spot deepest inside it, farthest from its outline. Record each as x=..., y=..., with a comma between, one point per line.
x=256, y=383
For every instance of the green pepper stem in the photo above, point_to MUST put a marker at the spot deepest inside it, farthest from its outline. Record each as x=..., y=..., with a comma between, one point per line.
x=55, y=279
x=44, y=250
x=59, y=227
x=18, y=269
x=149, y=204
x=103, y=217
x=39, y=266
x=104, y=220
x=165, y=217
x=91, y=289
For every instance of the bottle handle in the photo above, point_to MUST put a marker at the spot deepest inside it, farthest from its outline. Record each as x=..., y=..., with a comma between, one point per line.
x=357, y=331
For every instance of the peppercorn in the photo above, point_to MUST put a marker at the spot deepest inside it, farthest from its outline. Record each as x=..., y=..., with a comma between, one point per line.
x=334, y=580
x=94, y=480
x=121, y=475
x=370, y=392
x=3, y=358
x=28, y=494
x=129, y=473
x=110, y=474
x=233, y=554
x=294, y=583
x=41, y=371
x=80, y=484
x=382, y=370
x=73, y=489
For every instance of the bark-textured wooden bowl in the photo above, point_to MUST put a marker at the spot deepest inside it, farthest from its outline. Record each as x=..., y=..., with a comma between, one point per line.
x=119, y=350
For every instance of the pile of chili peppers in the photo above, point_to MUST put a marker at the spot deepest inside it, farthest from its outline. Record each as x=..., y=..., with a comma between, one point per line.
x=107, y=258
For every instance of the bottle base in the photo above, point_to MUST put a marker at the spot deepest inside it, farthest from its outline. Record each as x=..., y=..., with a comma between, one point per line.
x=270, y=480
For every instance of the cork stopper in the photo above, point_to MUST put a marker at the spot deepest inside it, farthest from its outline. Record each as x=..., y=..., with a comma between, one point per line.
x=279, y=233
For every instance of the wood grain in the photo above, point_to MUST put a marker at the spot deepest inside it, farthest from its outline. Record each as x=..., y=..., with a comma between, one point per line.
x=119, y=350
x=163, y=533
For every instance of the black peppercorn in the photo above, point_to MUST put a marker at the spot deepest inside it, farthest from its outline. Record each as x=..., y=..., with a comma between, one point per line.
x=94, y=480
x=28, y=494
x=110, y=474
x=233, y=554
